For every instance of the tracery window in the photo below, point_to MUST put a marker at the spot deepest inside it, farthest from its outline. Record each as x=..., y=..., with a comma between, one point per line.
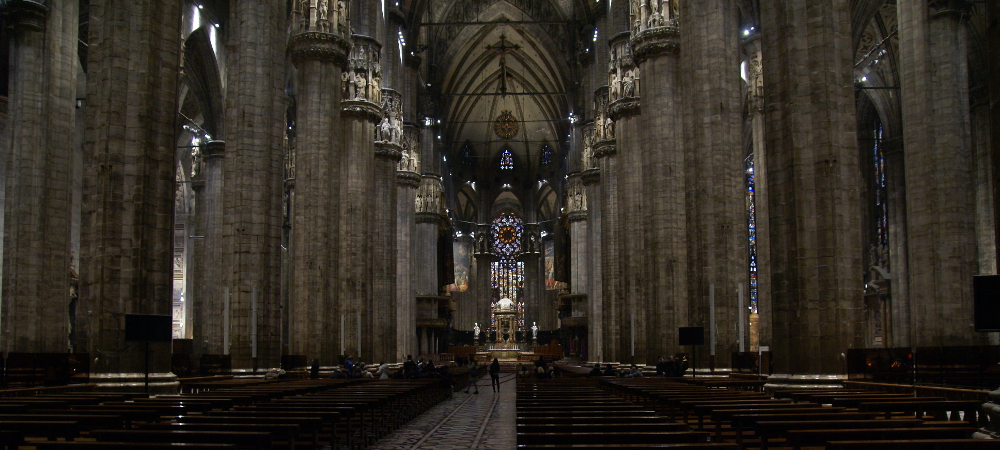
x=546, y=155
x=506, y=160
x=752, y=232
x=507, y=273
x=466, y=154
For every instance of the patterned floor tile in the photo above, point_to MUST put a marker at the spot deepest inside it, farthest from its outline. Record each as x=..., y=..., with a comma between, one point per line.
x=483, y=421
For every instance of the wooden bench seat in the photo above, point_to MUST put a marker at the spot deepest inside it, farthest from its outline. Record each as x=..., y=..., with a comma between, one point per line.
x=686, y=446
x=311, y=426
x=86, y=421
x=130, y=416
x=918, y=408
x=611, y=439
x=600, y=427
x=48, y=429
x=286, y=433
x=94, y=445
x=770, y=429
x=914, y=444
x=735, y=414
x=742, y=422
x=11, y=439
x=593, y=419
x=798, y=438
x=854, y=401
x=242, y=439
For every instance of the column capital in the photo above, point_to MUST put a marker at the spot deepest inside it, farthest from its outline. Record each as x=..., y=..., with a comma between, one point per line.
x=577, y=216
x=590, y=176
x=213, y=149
x=408, y=179
x=624, y=107
x=27, y=14
x=362, y=109
x=957, y=8
x=318, y=46
x=658, y=41
x=388, y=150
x=605, y=148
x=428, y=217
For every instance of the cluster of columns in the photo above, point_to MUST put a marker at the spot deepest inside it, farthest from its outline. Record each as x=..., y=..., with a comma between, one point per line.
x=666, y=212
x=664, y=209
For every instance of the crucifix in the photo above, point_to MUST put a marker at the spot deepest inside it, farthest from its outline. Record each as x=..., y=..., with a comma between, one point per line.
x=503, y=48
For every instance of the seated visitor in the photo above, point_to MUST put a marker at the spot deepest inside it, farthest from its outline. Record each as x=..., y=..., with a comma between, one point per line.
x=596, y=371
x=609, y=371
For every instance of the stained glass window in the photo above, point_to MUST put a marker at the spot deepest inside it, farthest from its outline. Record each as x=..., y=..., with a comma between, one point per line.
x=466, y=154
x=546, y=155
x=752, y=233
x=506, y=160
x=881, y=207
x=508, y=273
x=507, y=231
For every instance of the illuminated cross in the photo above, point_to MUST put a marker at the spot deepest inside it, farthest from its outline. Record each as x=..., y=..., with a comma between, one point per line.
x=503, y=48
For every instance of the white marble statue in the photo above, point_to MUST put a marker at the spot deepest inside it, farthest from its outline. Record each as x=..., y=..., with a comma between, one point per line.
x=476, y=330
x=534, y=330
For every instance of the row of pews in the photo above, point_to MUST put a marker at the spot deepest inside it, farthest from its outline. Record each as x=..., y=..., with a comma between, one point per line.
x=575, y=413
x=843, y=419
x=229, y=414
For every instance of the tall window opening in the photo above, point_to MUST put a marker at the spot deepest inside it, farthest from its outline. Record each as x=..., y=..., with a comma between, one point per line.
x=507, y=273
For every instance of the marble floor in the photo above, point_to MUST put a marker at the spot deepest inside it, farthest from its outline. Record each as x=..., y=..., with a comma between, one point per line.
x=466, y=421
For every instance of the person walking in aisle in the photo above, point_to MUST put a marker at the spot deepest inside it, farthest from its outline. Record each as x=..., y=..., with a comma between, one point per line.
x=495, y=375
x=473, y=378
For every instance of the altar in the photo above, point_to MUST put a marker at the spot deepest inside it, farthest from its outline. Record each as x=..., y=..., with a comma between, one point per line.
x=505, y=345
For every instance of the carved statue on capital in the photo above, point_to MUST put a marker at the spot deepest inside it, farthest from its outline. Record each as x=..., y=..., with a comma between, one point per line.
x=623, y=75
x=587, y=155
x=320, y=16
x=362, y=77
x=576, y=195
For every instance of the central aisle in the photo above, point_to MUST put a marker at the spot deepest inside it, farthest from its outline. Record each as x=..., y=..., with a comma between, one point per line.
x=466, y=421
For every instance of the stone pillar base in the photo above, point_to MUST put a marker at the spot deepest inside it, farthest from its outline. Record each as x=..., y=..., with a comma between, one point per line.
x=820, y=381
x=159, y=383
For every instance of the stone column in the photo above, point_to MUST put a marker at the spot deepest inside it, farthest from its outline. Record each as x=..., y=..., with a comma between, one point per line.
x=319, y=51
x=126, y=254
x=591, y=179
x=993, y=85
x=38, y=154
x=813, y=179
x=362, y=109
x=407, y=181
x=206, y=291
x=576, y=210
x=429, y=207
x=940, y=206
x=388, y=155
x=655, y=42
x=254, y=182
x=605, y=154
x=985, y=225
x=900, y=330
x=759, y=331
x=716, y=191
x=631, y=224
x=482, y=281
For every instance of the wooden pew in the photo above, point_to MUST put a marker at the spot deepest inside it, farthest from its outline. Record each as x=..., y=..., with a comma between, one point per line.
x=612, y=439
x=84, y=420
x=770, y=429
x=798, y=438
x=286, y=433
x=600, y=428
x=11, y=439
x=913, y=444
x=918, y=408
x=242, y=439
x=687, y=446
x=312, y=426
x=93, y=445
x=48, y=429
x=743, y=421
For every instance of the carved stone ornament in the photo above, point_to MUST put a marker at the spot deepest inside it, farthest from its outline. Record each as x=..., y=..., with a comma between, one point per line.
x=648, y=14
x=321, y=16
x=604, y=127
x=506, y=125
x=587, y=155
x=430, y=196
x=623, y=79
x=576, y=196
x=26, y=14
x=390, y=128
x=362, y=79
x=958, y=8
x=312, y=46
x=653, y=42
x=410, y=162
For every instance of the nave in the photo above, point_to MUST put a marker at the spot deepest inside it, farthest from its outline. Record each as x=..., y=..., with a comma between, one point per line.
x=705, y=412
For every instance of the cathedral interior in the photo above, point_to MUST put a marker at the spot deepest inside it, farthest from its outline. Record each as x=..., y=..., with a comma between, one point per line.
x=311, y=179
